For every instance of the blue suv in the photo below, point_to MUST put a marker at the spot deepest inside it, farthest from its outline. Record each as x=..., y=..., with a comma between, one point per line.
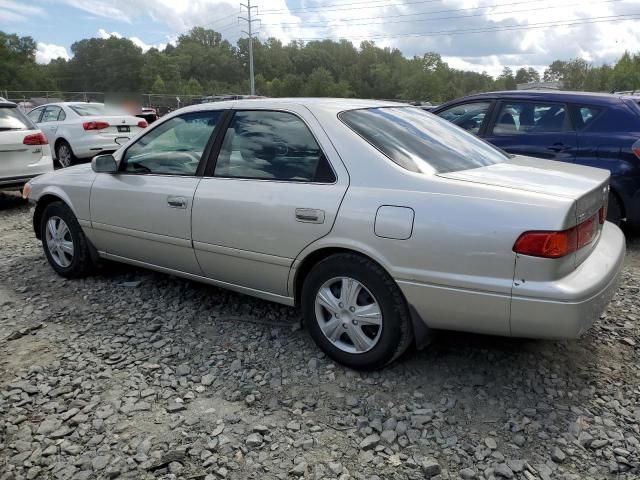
x=595, y=129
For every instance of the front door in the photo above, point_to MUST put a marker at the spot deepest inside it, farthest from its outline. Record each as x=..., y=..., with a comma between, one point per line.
x=536, y=129
x=143, y=212
x=275, y=188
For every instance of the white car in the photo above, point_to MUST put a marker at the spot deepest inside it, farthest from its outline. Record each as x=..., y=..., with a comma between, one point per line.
x=81, y=130
x=24, y=150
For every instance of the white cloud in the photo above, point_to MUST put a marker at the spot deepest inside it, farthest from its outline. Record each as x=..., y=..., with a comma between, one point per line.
x=484, y=51
x=12, y=11
x=48, y=51
x=102, y=33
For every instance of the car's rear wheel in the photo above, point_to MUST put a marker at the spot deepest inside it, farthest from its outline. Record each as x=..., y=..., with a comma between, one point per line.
x=64, y=154
x=614, y=209
x=355, y=312
x=64, y=243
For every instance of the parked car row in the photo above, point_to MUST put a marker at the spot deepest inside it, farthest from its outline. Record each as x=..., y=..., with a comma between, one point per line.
x=81, y=130
x=380, y=220
x=597, y=130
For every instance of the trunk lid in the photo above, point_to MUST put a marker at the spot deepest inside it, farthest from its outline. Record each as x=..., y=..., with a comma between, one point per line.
x=119, y=125
x=587, y=186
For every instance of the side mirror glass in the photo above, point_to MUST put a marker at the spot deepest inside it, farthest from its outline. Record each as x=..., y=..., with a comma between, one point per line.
x=104, y=164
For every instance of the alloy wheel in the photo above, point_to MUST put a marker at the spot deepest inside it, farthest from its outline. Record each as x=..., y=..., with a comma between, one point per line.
x=64, y=155
x=59, y=241
x=348, y=314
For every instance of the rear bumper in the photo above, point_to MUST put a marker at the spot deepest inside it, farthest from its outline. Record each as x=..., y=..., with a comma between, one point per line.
x=567, y=307
x=45, y=165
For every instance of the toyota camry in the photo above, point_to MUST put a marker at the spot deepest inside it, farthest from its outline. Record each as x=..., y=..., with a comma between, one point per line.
x=381, y=221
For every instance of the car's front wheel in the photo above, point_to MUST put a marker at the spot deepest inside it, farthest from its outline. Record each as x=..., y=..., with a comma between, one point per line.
x=355, y=312
x=64, y=243
x=64, y=154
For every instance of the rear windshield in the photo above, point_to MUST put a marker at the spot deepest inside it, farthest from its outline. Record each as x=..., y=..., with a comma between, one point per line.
x=420, y=141
x=92, y=109
x=12, y=119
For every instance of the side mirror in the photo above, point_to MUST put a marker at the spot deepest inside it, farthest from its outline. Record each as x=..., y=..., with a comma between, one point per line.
x=104, y=164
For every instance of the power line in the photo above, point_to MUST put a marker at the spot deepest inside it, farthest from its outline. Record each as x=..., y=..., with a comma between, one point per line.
x=501, y=28
x=351, y=21
x=350, y=6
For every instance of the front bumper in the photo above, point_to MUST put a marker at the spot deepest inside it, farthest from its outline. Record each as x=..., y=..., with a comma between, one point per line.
x=567, y=307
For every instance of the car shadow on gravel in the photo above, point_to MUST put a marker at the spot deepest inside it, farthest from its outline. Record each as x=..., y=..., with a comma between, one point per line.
x=12, y=201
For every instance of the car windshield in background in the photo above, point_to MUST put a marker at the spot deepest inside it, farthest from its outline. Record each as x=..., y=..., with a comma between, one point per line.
x=419, y=141
x=92, y=109
x=12, y=119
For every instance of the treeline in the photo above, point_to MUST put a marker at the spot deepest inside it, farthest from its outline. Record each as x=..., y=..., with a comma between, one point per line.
x=202, y=62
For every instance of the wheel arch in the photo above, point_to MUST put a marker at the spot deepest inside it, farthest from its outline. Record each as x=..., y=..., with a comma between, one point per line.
x=45, y=199
x=57, y=142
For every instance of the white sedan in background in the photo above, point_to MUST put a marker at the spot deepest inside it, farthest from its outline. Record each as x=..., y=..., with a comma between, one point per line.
x=24, y=150
x=81, y=130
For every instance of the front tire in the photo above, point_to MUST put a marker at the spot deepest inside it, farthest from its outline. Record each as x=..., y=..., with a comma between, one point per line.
x=355, y=312
x=64, y=242
x=64, y=154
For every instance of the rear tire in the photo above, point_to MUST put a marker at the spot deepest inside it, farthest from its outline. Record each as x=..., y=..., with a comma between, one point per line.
x=378, y=318
x=64, y=154
x=614, y=209
x=64, y=242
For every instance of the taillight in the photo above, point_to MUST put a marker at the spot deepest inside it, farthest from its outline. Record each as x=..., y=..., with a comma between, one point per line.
x=557, y=244
x=636, y=148
x=143, y=124
x=95, y=125
x=35, y=139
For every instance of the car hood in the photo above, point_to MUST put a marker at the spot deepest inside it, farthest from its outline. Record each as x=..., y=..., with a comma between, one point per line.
x=536, y=175
x=83, y=170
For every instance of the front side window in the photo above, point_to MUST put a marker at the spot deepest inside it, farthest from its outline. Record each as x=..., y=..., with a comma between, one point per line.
x=583, y=116
x=12, y=119
x=52, y=114
x=530, y=117
x=174, y=147
x=34, y=115
x=419, y=141
x=469, y=116
x=271, y=145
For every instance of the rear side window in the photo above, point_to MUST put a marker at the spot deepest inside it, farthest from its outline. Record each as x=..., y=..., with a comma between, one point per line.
x=12, y=119
x=419, y=141
x=271, y=145
x=530, y=117
x=53, y=114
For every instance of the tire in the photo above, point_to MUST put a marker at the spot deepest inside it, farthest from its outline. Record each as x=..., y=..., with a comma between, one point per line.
x=56, y=239
x=614, y=209
x=342, y=273
x=64, y=154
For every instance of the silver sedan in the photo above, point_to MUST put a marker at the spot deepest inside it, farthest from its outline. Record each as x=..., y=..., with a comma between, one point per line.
x=381, y=221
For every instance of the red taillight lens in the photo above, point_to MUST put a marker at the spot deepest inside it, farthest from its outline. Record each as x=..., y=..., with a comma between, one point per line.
x=35, y=139
x=602, y=214
x=95, y=125
x=557, y=244
x=636, y=150
x=143, y=124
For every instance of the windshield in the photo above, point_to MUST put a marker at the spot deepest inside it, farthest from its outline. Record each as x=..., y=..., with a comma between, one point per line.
x=12, y=119
x=91, y=109
x=420, y=141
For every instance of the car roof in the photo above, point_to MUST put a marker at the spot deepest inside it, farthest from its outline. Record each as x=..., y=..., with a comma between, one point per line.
x=571, y=96
x=330, y=104
x=7, y=104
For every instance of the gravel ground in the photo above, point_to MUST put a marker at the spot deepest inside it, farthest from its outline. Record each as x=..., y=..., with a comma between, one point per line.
x=133, y=374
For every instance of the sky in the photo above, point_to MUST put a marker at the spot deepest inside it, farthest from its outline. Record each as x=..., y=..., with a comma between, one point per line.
x=478, y=35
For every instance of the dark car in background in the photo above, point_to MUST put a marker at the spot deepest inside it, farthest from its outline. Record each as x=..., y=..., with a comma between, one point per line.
x=598, y=130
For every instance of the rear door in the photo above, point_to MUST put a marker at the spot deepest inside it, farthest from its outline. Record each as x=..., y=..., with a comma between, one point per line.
x=275, y=187
x=50, y=121
x=534, y=128
x=15, y=156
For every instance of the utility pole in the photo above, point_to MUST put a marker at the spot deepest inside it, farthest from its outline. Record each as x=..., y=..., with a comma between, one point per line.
x=249, y=33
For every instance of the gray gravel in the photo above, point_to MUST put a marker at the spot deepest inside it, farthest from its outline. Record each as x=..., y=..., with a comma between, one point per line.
x=133, y=374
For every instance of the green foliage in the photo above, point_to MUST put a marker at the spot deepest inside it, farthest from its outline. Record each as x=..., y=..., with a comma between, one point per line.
x=203, y=63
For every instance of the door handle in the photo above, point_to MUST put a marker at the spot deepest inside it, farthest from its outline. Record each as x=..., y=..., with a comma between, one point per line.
x=309, y=215
x=177, y=202
x=558, y=147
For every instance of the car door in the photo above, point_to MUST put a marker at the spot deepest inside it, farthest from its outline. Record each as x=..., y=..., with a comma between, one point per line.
x=143, y=212
x=50, y=121
x=535, y=128
x=275, y=187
